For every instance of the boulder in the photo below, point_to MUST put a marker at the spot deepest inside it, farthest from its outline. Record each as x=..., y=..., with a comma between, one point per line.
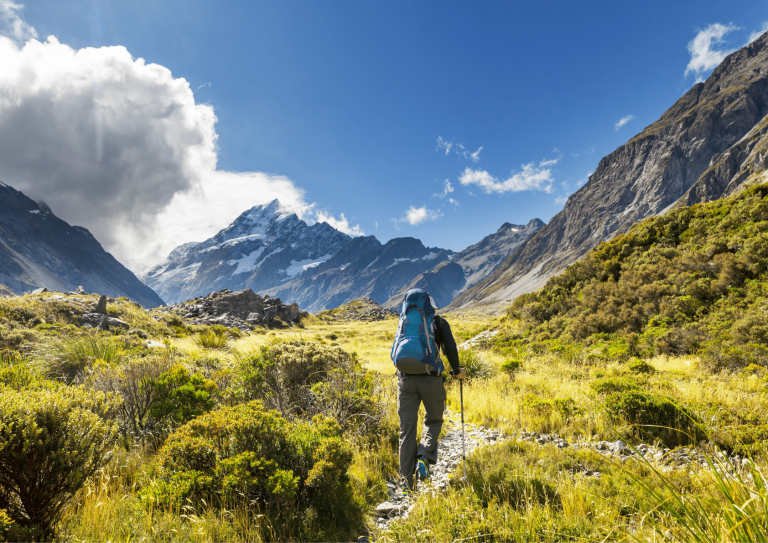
x=239, y=304
x=39, y=290
x=80, y=290
x=101, y=307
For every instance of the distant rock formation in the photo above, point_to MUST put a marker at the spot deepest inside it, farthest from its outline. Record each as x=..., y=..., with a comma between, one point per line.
x=243, y=309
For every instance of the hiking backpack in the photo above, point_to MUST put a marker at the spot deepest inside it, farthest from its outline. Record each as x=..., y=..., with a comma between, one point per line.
x=414, y=349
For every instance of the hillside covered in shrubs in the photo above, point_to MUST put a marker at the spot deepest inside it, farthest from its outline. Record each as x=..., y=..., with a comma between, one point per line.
x=152, y=427
x=693, y=281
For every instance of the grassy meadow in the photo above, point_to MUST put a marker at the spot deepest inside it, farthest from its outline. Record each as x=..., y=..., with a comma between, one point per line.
x=657, y=337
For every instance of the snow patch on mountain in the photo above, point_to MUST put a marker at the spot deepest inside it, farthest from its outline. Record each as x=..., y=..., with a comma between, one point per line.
x=298, y=266
x=246, y=263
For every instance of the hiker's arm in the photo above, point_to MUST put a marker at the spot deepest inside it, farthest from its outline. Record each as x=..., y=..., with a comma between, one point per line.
x=449, y=345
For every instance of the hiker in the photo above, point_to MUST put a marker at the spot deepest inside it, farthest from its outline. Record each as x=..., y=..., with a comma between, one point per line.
x=421, y=335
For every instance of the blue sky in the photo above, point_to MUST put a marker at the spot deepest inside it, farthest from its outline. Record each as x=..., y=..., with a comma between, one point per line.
x=367, y=109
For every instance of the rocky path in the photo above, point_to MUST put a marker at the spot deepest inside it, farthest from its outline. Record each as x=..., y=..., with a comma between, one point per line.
x=449, y=465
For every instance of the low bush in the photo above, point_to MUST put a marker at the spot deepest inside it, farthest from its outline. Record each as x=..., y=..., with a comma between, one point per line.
x=246, y=455
x=180, y=396
x=51, y=441
x=511, y=366
x=477, y=366
x=133, y=381
x=73, y=357
x=610, y=385
x=655, y=415
x=637, y=365
x=213, y=338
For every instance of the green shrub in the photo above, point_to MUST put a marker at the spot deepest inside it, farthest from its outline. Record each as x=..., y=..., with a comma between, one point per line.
x=637, y=365
x=654, y=414
x=51, y=441
x=179, y=396
x=244, y=454
x=475, y=363
x=281, y=375
x=511, y=366
x=609, y=385
x=73, y=357
x=133, y=381
x=213, y=338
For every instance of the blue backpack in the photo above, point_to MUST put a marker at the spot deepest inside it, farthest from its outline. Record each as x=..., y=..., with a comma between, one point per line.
x=414, y=349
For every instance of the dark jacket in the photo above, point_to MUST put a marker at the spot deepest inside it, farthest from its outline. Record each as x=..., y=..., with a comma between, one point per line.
x=444, y=340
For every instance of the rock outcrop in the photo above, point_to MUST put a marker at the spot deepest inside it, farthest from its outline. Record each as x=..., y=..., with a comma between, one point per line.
x=706, y=145
x=363, y=309
x=243, y=309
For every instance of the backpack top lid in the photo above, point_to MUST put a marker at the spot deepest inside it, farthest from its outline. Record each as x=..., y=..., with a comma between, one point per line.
x=419, y=298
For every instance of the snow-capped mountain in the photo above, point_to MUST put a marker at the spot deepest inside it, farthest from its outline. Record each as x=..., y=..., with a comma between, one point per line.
x=363, y=268
x=38, y=249
x=264, y=247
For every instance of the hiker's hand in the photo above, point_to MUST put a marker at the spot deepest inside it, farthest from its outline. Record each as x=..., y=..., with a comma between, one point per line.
x=461, y=374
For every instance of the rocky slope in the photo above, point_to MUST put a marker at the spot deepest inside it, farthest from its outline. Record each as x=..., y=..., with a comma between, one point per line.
x=706, y=145
x=450, y=278
x=364, y=268
x=37, y=249
x=263, y=248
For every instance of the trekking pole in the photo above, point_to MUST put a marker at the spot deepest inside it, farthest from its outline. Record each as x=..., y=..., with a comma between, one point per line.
x=463, y=449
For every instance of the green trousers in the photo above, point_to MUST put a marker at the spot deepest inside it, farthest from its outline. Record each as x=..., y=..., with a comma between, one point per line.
x=412, y=391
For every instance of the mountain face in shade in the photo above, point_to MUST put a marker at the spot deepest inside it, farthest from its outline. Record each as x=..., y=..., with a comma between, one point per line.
x=710, y=143
x=37, y=249
x=450, y=278
x=363, y=268
x=263, y=248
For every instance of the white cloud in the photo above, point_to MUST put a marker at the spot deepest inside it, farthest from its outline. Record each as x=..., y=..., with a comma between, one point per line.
x=208, y=84
x=452, y=201
x=341, y=224
x=119, y=146
x=561, y=201
x=546, y=163
x=532, y=177
x=417, y=215
x=624, y=120
x=12, y=25
x=703, y=49
x=458, y=148
x=447, y=189
x=756, y=34
x=442, y=144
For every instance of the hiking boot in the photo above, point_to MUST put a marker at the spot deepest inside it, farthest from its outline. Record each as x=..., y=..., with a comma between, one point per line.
x=422, y=469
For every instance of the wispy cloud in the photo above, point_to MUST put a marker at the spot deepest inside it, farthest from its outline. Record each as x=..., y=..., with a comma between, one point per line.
x=447, y=189
x=458, y=149
x=341, y=224
x=454, y=202
x=531, y=177
x=12, y=25
x=705, y=51
x=757, y=33
x=208, y=84
x=624, y=120
x=561, y=201
x=443, y=145
x=417, y=215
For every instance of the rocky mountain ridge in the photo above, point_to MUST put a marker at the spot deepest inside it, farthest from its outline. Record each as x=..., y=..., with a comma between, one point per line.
x=709, y=143
x=263, y=248
x=449, y=279
x=38, y=249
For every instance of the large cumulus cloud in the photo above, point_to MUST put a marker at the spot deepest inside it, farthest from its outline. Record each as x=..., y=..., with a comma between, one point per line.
x=119, y=146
